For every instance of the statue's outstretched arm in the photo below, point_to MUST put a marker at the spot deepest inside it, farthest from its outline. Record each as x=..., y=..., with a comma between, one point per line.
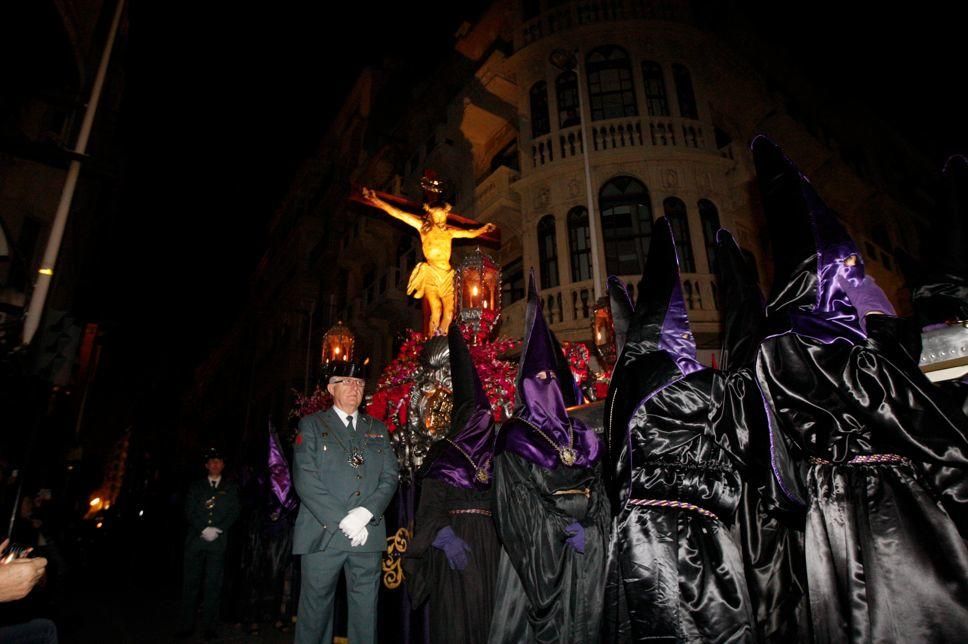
x=459, y=233
x=396, y=213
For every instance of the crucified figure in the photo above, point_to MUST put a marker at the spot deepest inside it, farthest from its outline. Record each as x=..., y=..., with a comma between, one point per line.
x=434, y=277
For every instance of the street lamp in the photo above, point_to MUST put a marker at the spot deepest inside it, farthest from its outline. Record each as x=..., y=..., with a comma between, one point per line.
x=603, y=332
x=478, y=291
x=570, y=61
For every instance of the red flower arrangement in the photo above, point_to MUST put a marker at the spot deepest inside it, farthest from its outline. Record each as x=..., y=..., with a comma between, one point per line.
x=391, y=400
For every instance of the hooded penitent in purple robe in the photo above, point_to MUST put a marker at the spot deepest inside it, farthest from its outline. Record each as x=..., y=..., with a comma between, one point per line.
x=451, y=562
x=552, y=515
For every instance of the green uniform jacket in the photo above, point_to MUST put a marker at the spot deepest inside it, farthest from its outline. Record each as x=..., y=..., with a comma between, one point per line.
x=206, y=507
x=329, y=486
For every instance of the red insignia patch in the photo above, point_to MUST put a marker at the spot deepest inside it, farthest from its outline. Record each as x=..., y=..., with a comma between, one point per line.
x=298, y=439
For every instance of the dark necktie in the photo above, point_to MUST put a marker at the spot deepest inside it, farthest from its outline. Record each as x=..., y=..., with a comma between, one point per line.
x=214, y=485
x=349, y=423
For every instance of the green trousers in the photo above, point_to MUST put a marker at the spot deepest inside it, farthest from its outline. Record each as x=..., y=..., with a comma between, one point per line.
x=203, y=570
x=320, y=574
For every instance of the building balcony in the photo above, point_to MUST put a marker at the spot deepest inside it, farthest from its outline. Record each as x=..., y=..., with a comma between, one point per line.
x=665, y=132
x=495, y=201
x=588, y=12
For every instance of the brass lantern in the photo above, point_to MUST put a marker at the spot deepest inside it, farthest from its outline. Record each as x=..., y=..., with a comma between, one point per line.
x=478, y=292
x=603, y=331
x=338, y=344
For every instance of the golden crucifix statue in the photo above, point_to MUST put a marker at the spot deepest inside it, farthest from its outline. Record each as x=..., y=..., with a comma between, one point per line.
x=434, y=277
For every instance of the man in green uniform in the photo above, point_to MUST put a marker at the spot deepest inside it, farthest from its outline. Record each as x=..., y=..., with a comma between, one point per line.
x=211, y=507
x=345, y=473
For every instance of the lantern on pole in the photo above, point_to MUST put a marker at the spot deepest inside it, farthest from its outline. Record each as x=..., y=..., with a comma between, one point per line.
x=478, y=293
x=603, y=331
x=338, y=344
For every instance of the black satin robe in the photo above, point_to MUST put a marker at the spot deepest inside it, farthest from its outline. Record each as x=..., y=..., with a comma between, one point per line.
x=548, y=592
x=674, y=574
x=461, y=601
x=884, y=557
x=769, y=528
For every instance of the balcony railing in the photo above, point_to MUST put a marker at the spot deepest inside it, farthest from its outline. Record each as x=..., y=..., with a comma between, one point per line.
x=588, y=12
x=614, y=134
x=571, y=306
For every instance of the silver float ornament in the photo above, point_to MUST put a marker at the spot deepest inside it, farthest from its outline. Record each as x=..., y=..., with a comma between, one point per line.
x=429, y=409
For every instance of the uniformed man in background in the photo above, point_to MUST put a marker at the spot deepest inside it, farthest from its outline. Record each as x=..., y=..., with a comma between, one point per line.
x=211, y=507
x=345, y=473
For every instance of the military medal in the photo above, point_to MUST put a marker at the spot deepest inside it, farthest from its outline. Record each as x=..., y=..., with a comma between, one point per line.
x=356, y=458
x=210, y=503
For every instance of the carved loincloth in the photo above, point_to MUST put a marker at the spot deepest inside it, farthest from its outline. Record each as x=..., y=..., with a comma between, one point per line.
x=427, y=277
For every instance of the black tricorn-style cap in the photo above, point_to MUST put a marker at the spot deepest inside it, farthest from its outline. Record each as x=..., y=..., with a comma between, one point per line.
x=345, y=369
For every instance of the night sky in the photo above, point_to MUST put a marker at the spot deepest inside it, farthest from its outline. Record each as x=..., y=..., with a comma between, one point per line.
x=222, y=102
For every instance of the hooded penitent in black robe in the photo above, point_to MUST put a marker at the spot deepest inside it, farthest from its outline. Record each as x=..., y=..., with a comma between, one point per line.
x=552, y=515
x=675, y=573
x=769, y=527
x=456, y=492
x=863, y=440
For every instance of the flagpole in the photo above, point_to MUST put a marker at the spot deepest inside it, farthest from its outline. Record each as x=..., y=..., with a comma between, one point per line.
x=39, y=296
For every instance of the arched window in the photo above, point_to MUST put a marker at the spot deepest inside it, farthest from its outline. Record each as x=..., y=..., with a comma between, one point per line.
x=684, y=92
x=540, y=123
x=579, y=244
x=675, y=212
x=566, y=89
x=656, y=98
x=610, y=88
x=548, y=252
x=626, y=225
x=709, y=216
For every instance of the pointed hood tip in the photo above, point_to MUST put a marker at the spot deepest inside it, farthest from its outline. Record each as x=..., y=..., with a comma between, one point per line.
x=761, y=140
x=724, y=236
x=464, y=457
x=621, y=308
x=465, y=381
x=660, y=321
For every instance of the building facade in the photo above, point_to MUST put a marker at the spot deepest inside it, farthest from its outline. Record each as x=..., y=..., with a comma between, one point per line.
x=667, y=100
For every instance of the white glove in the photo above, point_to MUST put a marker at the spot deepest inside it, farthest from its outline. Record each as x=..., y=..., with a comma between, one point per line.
x=211, y=533
x=359, y=538
x=354, y=520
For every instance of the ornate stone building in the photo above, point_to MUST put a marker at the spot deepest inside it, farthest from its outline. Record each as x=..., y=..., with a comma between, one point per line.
x=670, y=99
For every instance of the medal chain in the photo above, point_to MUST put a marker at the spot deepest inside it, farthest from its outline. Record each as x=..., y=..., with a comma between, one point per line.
x=480, y=473
x=566, y=454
